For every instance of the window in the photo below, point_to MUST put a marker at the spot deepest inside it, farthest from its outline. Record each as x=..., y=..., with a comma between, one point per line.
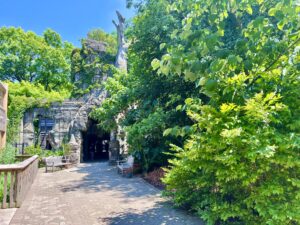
x=45, y=125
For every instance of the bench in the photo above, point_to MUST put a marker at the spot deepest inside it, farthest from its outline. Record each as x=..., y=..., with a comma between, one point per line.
x=125, y=167
x=56, y=161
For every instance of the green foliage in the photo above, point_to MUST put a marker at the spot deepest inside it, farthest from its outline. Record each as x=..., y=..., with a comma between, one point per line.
x=2, y=185
x=232, y=67
x=137, y=4
x=112, y=106
x=218, y=81
x=52, y=38
x=25, y=56
x=7, y=155
x=66, y=149
x=24, y=96
x=145, y=136
x=240, y=163
x=37, y=150
x=34, y=150
x=142, y=102
x=102, y=36
x=88, y=62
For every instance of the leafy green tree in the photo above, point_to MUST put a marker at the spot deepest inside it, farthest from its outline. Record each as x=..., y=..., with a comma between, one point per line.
x=240, y=164
x=138, y=4
x=25, y=56
x=52, y=38
x=147, y=101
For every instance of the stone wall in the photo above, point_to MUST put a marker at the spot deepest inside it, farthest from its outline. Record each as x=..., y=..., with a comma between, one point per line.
x=62, y=115
x=70, y=119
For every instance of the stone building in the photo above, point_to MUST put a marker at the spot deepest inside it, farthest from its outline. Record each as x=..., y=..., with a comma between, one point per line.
x=69, y=123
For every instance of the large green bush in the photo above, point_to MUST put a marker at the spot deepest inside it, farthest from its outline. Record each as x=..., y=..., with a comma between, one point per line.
x=241, y=160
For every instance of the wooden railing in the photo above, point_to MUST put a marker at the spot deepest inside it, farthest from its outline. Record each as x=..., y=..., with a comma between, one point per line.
x=17, y=180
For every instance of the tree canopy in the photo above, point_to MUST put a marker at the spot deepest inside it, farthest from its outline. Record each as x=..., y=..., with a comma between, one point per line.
x=25, y=56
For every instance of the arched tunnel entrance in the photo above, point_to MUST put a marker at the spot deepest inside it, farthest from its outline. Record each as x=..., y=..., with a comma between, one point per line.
x=95, y=143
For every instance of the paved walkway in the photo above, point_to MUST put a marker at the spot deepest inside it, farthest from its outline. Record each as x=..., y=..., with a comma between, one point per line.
x=6, y=215
x=93, y=194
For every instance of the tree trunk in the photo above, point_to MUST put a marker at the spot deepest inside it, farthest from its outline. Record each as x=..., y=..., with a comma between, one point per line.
x=121, y=59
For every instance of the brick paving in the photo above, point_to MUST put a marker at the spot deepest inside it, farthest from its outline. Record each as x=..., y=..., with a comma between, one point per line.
x=93, y=194
x=6, y=215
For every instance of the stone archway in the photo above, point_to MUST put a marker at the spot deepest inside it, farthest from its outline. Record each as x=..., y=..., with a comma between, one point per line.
x=95, y=144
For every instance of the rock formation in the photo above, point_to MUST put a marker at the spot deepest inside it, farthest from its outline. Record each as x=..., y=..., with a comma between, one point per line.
x=71, y=117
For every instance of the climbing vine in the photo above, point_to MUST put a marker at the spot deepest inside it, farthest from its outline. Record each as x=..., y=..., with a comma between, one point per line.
x=23, y=96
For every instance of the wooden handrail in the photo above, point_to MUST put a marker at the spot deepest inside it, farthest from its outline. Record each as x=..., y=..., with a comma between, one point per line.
x=18, y=166
x=17, y=180
x=3, y=88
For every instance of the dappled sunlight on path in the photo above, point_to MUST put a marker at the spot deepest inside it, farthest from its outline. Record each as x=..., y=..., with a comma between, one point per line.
x=93, y=194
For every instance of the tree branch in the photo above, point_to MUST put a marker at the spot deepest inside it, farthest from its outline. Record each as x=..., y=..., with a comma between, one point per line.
x=114, y=22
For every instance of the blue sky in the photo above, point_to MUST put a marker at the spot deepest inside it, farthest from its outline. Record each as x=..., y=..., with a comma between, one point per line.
x=72, y=19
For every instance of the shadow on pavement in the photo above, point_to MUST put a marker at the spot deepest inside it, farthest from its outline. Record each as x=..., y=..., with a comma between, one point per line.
x=159, y=215
x=101, y=177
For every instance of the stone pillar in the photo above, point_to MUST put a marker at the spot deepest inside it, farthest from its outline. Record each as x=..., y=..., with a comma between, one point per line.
x=75, y=150
x=114, y=148
x=3, y=113
x=27, y=129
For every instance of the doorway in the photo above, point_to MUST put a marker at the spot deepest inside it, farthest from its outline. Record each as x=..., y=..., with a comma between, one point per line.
x=95, y=143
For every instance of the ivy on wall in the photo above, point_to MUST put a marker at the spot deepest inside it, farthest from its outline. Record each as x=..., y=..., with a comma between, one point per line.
x=25, y=95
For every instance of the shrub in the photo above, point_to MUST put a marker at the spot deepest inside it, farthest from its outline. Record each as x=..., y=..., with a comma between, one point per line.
x=32, y=150
x=7, y=155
